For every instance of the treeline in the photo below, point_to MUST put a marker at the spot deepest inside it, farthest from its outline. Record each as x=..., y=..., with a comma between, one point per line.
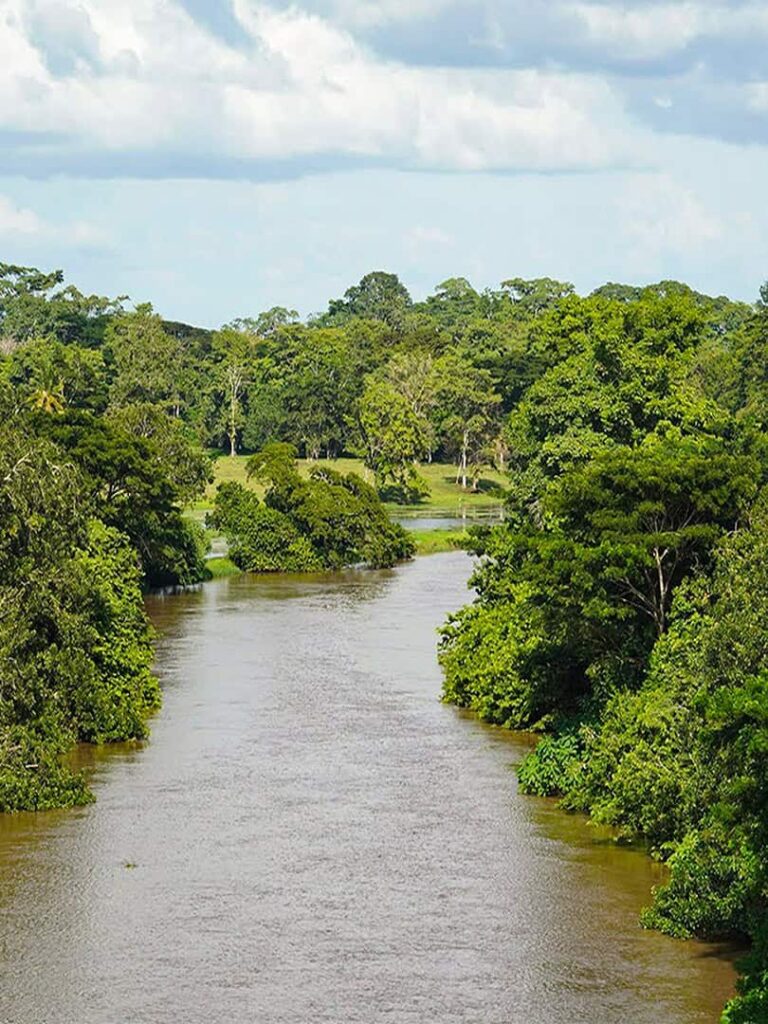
x=622, y=608
x=376, y=376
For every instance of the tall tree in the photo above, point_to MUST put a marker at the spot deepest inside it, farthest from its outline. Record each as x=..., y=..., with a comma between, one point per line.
x=378, y=296
x=148, y=362
x=467, y=414
x=233, y=352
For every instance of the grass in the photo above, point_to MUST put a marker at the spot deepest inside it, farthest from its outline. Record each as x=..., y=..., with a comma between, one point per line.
x=433, y=542
x=221, y=567
x=445, y=494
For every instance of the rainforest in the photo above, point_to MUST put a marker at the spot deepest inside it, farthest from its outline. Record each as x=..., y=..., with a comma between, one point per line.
x=619, y=606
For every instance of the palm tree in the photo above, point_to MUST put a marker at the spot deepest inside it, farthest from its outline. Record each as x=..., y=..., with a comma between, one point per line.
x=48, y=399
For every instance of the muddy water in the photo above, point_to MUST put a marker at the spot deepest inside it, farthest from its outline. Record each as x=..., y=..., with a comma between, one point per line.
x=311, y=836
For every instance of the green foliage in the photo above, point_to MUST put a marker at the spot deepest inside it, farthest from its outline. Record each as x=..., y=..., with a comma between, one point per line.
x=431, y=542
x=467, y=414
x=218, y=568
x=75, y=376
x=640, y=519
x=172, y=447
x=395, y=437
x=751, y=1004
x=75, y=646
x=624, y=604
x=501, y=661
x=261, y=539
x=136, y=483
x=325, y=522
x=554, y=766
x=147, y=360
x=32, y=305
x=378, y=296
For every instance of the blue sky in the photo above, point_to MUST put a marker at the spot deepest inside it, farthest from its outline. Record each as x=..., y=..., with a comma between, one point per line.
x=218, y=157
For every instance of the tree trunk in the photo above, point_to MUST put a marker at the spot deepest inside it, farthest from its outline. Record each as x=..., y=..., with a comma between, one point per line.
x=233, y=426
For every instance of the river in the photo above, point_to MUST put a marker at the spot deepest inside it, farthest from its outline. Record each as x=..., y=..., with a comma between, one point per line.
x=310, y=836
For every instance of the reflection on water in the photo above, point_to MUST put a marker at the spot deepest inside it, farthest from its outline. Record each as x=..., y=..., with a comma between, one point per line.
x=437, y=520
x=311, y=836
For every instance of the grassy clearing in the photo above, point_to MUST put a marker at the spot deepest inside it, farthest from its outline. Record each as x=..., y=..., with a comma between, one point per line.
x=445, y=493
x=433, y=542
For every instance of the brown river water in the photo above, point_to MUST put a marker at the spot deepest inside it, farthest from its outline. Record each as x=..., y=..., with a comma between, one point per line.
x=310, y=836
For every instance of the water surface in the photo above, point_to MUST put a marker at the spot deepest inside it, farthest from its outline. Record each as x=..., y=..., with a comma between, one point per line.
x=310, y=836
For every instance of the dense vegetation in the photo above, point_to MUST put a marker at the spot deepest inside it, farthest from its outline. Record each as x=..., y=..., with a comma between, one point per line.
x=328, y=521
x=623, y=606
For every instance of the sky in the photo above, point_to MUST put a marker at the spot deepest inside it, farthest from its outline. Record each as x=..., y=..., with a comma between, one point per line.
x=219, y=157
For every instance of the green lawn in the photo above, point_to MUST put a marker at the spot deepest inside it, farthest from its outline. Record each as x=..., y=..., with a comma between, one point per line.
x=445, y=494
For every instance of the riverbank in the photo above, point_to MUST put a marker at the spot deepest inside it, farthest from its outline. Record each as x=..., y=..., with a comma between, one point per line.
x=428, y=542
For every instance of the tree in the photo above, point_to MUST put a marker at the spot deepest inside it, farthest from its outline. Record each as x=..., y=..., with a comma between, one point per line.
x=33, y=306
x=132, y=488
x=615, y=375
x=268, y=323
x=233, y=350
x=75, y=646
x=641, y=519
x=412, y=375
x=454, y=303
x=54, y=375
x=394, y=438
x=467, y=414
x=175, y=449
x=378, y=296
x=148, y=362
x=327, y=521
x=534, y=296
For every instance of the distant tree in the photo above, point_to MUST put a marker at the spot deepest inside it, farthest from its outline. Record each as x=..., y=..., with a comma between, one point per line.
x=618, y=292
x=326, y=521
x=32, y=305
x=536, y=295
x=68, y=374
x=378, y=296
x=467, y=412
x=412, y=375
x=394, y=438
x=233, y=352
x=148, y=362
x=266, y=324
x=454, y=303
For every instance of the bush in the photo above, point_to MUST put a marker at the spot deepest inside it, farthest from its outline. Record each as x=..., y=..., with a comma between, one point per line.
x=326, y=522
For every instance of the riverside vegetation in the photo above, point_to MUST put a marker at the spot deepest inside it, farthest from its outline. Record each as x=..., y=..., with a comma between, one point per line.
x=621, y=608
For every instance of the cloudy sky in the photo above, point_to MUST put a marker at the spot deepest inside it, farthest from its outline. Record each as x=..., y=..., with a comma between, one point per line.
x=218, y=157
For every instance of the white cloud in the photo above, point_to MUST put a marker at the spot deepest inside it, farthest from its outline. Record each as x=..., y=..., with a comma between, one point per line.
x=757, y=97
x=661, y=217
x=654, y=30
x=161, y=83
x=374, y=13
x=16, y=220
x=20, y=224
